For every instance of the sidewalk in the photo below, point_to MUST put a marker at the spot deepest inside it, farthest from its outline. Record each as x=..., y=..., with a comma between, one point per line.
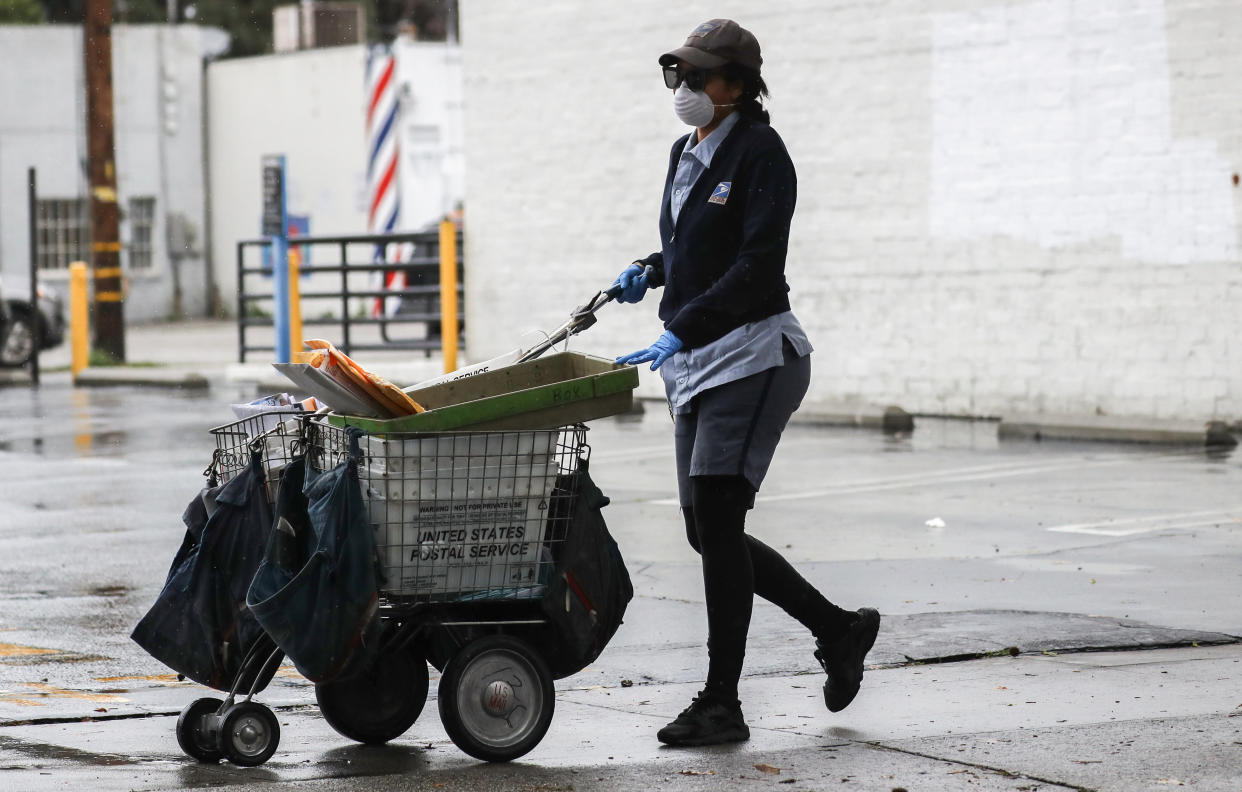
x=202, y=353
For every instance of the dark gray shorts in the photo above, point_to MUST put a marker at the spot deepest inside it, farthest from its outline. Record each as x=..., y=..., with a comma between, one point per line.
x=733, y=429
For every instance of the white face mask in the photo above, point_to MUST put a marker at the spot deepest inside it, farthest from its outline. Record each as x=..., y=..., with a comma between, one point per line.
x=693, y=107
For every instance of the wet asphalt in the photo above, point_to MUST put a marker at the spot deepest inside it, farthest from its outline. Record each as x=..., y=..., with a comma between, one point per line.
x=1056, y=615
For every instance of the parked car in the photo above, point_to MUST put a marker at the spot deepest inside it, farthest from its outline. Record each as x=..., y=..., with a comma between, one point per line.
x=22, y=326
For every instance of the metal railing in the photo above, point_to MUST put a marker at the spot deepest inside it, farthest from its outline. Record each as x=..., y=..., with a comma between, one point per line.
x=419, y=300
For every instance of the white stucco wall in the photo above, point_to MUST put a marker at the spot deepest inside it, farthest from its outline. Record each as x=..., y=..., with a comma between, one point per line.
x=157, y=87
x=310, y=106
x=1003, y=206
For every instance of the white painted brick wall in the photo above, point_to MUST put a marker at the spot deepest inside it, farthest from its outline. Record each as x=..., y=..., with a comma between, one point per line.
x=1003, y=207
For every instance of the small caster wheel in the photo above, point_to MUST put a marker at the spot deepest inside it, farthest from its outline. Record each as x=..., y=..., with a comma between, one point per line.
x=379, y=703
x=496, y=698
x=249, y=734
x=196, y=730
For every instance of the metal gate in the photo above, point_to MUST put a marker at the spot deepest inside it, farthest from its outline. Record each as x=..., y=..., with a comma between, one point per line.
x=354, y=266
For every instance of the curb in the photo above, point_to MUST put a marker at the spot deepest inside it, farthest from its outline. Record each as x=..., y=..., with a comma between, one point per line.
x=14, y=378
x=142, y=377
x=1115, y=429
x=890, y=419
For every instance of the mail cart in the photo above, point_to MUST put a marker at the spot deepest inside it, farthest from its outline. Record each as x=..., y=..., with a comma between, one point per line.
x=469, y=504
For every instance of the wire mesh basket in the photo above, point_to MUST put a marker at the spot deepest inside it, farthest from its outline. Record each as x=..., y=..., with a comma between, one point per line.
x=463, y=515
x=275, y=434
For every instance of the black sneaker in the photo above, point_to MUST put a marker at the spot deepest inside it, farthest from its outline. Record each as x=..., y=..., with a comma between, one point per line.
x=843, y=659
x=707, y=721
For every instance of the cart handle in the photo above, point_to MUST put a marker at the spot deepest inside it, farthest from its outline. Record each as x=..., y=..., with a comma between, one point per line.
x=580, y=319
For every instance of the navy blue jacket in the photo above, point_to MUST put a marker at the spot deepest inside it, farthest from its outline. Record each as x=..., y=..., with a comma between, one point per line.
x=723, y=264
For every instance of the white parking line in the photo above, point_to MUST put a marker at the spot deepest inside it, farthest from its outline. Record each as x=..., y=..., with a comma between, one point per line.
x=1159, y=522
x=952, y=476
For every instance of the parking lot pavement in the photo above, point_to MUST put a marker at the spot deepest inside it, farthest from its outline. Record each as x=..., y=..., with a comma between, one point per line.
x=974, y=549
x=1110, y=721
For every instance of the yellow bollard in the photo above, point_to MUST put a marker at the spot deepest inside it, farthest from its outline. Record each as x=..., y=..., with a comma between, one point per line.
x=448, y=294
x=79, y=318
x=295, y=300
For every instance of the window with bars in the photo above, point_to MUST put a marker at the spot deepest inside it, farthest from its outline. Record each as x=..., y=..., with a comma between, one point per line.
x=63, y=230
x=141, y=233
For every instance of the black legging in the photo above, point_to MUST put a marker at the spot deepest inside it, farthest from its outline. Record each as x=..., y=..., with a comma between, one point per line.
x=736, y=566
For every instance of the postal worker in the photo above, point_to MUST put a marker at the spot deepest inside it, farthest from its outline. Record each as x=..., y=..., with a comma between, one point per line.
x=736, y=365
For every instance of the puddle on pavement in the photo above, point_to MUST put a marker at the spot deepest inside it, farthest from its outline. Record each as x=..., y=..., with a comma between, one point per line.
x=108, y=443
x=109, y=591
x=1218, y=455
x=45, y=751
x=56, y=421
x=938, y=433
x=388, y=759
x=19, y=654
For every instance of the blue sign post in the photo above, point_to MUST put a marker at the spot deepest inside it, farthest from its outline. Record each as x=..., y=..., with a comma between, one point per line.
x=275, y=228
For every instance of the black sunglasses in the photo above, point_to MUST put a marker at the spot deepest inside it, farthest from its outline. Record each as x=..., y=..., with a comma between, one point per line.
x=695, y=79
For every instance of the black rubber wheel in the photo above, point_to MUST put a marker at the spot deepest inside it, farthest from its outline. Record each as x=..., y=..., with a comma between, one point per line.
x=496, y=698
x=195, y=735
x=18, y=338
x=249, y=734
x=379, y=703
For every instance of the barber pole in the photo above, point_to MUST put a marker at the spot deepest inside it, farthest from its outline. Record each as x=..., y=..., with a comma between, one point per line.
x=383, y=184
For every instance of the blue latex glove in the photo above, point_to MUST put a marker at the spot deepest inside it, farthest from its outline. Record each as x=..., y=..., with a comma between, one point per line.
x=633, y=283
x=657, y=353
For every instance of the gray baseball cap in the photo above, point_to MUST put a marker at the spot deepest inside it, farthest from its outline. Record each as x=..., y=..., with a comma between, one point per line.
x=715, y=43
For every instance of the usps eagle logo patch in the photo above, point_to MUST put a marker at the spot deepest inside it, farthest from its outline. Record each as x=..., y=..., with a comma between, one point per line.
x=721, y=194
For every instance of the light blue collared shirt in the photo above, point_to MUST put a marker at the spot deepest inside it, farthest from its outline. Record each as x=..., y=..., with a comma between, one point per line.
x=746, y=350
x=696, y=158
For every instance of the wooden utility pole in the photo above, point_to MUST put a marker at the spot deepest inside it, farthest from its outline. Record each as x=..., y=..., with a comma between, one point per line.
x=105, y=213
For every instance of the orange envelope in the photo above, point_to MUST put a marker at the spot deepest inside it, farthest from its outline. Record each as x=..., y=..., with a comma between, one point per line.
x=328, y=358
